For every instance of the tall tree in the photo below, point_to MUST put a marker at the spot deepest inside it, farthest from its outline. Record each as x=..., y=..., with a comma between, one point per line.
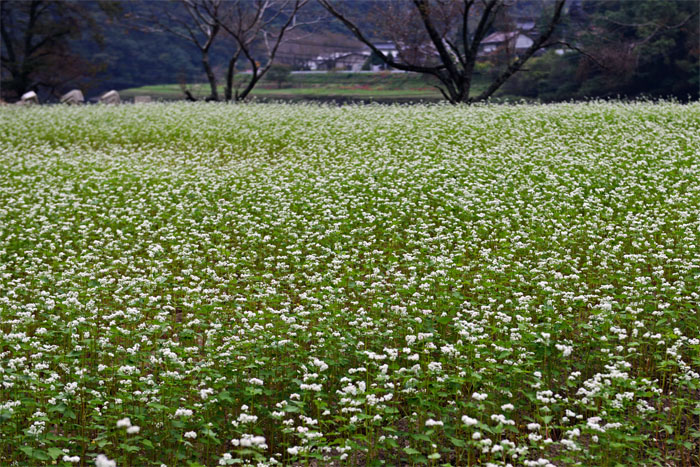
x=196, y=21
x=36, y=35
x=454, y=30
x=254, y=29
x=258, y=28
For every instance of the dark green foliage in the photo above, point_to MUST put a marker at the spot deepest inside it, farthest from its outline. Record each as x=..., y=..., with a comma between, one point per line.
x=632, y=49
x=37, y=39
x=655, y=49
x=279, y=73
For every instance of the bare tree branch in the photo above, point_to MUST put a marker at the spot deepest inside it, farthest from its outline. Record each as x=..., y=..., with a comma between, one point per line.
x=447, y=26
x=516, y=64
x=579, y=50
x=197, y=23
x=249, y=26
x=433, y=70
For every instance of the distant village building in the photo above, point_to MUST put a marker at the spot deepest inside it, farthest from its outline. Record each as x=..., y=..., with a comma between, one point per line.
x=514, y=41
x=525, y=24
x=350, y=61
x=388, y=48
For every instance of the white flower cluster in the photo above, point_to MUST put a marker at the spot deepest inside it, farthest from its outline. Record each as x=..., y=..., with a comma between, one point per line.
x=532, y=269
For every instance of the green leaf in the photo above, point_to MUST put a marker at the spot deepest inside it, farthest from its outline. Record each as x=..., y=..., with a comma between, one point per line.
x=55, y=453
x=444, y=320
x=60, y=408
x=128, y=448
x=40, y=455
x=391, y=442
x=411, y=451
x=69, y=413
x=458, y=442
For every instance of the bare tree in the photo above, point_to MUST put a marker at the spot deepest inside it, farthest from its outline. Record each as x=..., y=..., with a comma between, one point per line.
x=454, y=30
x=258, y=28
x=35, y=50
x=196, y=21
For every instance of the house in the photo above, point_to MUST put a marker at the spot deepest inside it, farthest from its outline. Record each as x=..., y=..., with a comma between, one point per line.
x=388, y=48
x=354, y=60
x=513, y=41
x=350, y=61
x=524, y=24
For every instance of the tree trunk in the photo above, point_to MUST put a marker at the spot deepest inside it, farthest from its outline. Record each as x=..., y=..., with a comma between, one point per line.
x=214, y=95
x=251, y=84
x=229, y=79
x=189, y=96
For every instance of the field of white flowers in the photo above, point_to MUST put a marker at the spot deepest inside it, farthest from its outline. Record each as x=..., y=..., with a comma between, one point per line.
x=211, y=284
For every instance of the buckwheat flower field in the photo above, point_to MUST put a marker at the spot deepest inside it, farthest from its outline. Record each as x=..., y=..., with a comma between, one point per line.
x=269, y=284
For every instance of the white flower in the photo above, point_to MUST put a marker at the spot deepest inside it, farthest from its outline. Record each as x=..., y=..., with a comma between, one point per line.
x=102, y=461
x=183, y=412
x=124, y=423
x=190, y=434
x=133, y=429
x=322, y=366
x=467, y=420
x=431, y=422
x=248, y=440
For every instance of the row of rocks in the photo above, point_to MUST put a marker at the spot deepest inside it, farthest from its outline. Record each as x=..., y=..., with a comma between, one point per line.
x=75, y=97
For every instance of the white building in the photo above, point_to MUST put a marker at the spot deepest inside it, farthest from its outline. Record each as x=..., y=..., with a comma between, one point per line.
x=514, y=41
x=349, y=61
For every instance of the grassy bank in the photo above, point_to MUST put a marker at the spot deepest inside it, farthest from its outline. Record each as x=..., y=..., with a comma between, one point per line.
x=387, y=86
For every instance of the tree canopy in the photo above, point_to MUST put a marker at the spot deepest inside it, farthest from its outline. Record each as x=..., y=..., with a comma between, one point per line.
x=36, y=43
